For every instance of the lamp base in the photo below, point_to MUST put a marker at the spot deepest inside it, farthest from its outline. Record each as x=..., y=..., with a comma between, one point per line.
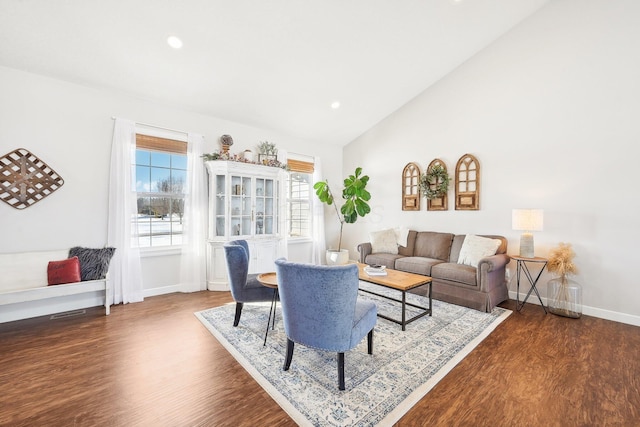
x=526, y=245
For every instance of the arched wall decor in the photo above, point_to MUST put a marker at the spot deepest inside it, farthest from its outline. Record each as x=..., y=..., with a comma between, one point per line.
x=438, y=203
x=468, y=183
x=25, y=179
x=411, y=187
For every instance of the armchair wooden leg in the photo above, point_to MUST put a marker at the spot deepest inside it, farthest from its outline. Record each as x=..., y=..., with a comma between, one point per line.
x=341, y=371
x=370, y=342
x=289, y=356
x=236, y=320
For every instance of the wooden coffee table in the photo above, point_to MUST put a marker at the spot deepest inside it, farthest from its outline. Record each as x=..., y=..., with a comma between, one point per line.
x=401, y=281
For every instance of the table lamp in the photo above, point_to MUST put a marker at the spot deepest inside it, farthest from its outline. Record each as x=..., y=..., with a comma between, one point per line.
x=527, y=220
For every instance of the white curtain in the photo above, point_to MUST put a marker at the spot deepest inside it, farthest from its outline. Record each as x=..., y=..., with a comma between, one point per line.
x=317, y=210
x=125, y=272
x=193, y=259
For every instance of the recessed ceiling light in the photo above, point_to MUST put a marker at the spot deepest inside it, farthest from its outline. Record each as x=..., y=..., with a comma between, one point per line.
x=174, y=42
x=335, y=105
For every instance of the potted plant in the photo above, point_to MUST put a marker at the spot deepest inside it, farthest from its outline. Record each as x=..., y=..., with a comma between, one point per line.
x=355, y=196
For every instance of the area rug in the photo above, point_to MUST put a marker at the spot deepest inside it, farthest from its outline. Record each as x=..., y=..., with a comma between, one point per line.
x=380, y=388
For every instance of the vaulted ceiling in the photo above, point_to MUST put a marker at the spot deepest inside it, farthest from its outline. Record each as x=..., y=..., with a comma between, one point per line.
x=275, y=64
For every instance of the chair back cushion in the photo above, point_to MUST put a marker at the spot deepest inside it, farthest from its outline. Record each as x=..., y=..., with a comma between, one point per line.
x=318, y=303
x=237, y=259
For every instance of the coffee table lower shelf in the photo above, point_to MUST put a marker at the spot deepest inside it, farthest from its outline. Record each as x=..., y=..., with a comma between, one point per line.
x=399, y=281
x=404, y=321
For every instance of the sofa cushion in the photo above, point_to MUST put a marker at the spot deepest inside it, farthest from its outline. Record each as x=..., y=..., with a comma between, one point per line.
x=388, y=260
x=384, y=241
x=63, y=271
x=435, y=245
x=458, y=240
x=417, y=265
x=459, y=273
x=402, y=234
x=411, y=242
x=474, y=248
x=456, y=245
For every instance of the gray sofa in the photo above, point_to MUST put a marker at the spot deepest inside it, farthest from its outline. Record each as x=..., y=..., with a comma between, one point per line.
x=436, y=254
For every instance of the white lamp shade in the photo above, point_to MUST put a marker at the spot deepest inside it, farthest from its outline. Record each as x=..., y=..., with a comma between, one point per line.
x=527, y=219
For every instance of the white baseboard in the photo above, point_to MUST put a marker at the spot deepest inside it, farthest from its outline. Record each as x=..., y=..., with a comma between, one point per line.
x=152, y=292
x=615, y=316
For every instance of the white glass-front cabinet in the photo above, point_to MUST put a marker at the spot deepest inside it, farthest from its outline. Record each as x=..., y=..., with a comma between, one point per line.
x=246, y=201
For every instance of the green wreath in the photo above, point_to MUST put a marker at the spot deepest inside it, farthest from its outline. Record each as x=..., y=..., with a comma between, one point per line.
x=436, y=175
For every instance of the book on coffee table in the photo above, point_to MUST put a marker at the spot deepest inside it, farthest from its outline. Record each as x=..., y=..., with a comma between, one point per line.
x=375, y=270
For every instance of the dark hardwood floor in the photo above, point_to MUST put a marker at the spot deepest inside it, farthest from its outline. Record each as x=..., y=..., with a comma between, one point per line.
x=154, y=364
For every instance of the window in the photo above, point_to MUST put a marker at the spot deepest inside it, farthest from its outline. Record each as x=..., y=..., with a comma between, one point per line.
x=160, y=186
x=299, y=193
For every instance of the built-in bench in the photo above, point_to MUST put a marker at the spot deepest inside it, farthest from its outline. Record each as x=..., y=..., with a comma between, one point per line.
x=23, y=278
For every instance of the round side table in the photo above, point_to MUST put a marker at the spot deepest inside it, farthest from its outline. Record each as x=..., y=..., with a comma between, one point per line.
x=270, y=281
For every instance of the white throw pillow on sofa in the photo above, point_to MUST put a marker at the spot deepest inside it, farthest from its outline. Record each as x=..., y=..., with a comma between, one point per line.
x=402, y=234
x=474, y=248
x=384, y=241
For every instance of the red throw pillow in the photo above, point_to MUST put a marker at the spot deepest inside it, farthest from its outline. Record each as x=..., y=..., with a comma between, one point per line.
x=65, y=271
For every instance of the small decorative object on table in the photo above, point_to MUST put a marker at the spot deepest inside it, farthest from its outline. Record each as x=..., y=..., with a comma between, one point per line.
x=375, y=270
x=564, y=295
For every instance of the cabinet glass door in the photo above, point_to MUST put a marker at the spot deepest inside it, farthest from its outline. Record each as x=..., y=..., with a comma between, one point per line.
x=246, y=206
x=220, y=217
x=240, y=215
x=266, y=195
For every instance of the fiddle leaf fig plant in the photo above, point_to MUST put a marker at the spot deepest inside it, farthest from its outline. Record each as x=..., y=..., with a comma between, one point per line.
x=354, y=194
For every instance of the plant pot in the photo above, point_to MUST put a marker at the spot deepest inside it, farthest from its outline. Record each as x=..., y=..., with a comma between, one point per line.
x=337, y=257
x=564, y=297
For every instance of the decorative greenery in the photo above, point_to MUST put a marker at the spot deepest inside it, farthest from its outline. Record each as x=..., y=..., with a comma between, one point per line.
x=268, y=148
x=354, y=194
x=220, y=155
x=435, y=176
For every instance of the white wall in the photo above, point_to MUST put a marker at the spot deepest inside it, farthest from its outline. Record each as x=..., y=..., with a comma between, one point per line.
x=551, y=112
x=70, y=128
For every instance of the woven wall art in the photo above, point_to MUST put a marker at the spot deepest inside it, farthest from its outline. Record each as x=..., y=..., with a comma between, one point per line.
x=25, y=179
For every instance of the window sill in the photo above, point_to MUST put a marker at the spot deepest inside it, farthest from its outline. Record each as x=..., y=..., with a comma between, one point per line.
x=163, y=251
x=298, y=240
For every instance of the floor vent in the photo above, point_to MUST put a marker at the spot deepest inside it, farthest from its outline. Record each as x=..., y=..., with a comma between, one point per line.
x=68, y=314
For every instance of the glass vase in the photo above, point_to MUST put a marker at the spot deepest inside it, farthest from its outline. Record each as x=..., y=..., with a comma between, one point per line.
x=564, y=297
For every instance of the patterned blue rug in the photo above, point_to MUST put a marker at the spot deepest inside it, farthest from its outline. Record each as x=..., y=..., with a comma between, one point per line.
x=380, y=388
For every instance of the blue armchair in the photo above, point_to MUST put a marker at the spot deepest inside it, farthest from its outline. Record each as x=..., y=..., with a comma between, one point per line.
x=244, y=286
x=320, y=309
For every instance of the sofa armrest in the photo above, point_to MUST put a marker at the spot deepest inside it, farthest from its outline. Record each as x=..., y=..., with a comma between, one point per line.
x=491, y=271
x=494, y=262
x=364, y=249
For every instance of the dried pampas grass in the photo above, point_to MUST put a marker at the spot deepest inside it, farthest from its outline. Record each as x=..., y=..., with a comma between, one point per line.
x=561, y=260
